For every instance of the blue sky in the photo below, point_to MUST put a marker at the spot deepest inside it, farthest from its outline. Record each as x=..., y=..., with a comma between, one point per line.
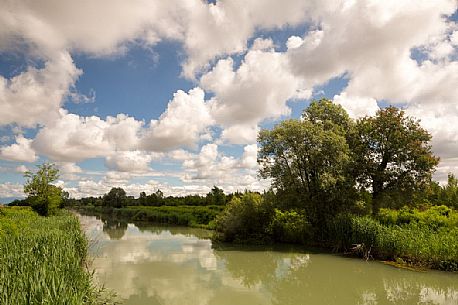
x=81, y=91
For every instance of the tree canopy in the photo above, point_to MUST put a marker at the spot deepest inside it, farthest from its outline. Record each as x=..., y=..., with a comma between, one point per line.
x=322, y=159
x=44, y=197
x=391, y=151
x=308, y=157
x=115, y=198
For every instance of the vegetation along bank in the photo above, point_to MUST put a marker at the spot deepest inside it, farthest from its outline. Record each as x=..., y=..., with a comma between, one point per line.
x=359, y=186
x=43, y=260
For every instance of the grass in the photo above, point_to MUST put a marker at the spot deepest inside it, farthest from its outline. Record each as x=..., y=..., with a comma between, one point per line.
x=413, y=243
x=193, y=216
x=42, y=260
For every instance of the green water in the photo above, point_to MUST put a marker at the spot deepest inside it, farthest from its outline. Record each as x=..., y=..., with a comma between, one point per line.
x=175, y=265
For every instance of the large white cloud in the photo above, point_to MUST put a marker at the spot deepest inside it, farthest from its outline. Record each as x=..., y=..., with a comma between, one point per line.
x=19, y=151
x=73, y=138
x=8, y=190
x=206, y=30
x=257, y=90
x=35, y=96
x=129, y=161
x=357, y=106
x=211, y=167
x=182, y=124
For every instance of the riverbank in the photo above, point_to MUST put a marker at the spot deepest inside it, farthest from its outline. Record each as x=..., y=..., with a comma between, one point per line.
x=191, y=216
x=413, y=244
x=153, y=264
x=43, y=260
x=414, y=239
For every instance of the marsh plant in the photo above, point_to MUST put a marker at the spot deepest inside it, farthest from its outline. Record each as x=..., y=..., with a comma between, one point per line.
x=43, y=260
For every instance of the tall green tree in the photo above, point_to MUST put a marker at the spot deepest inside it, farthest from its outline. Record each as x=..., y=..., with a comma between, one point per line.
x=115, y=198
x=448, y=194
x=44, y=197
x=216, y=196
x=391, y=152
x=308, y=158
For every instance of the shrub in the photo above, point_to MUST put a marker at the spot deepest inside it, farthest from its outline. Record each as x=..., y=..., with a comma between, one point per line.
x=290, y=227
x=435, y=217
x=244, y=219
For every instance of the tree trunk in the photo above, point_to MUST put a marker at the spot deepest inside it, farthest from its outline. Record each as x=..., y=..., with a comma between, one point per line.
x=377, y=189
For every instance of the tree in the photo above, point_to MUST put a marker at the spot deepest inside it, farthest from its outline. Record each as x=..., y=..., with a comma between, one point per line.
x=216, y=196
x=115, y=198
x=308, y=158
x=142, y=199
x=391, y=153
x=44, y=197
x=331, y=116
x=449, y=192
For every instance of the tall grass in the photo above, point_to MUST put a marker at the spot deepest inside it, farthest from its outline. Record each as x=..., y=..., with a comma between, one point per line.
x=413, y=243
x=42, y=260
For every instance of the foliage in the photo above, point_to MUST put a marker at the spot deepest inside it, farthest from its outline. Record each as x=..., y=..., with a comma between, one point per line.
x=449, y=193
x=116, y=198
x=308, y=159
x=216, y=196
x=194, y=216
x=290, y=227
x=412, y=243
x=44, y=197
x=244, y=219
x=434, y=217
x=441, y=195
x=391, y=152
x=42, y=260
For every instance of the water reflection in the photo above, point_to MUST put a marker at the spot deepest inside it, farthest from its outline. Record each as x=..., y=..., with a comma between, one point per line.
x=114, y=228
x=172, y=265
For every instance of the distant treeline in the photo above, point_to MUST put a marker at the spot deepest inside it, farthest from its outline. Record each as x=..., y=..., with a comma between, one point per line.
x=118, y=198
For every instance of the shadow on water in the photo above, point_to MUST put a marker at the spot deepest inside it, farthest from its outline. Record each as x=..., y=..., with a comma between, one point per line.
x=150, y=264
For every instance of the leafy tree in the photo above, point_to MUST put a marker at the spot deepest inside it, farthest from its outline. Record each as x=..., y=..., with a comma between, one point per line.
x=155, y=199
x=142, y=199
x=244, y=219
x=449, y=193
x=115, y=198
x=331, y=116
x=44, y=197
x=391, y=154
x=216, y=196
x=308, y=159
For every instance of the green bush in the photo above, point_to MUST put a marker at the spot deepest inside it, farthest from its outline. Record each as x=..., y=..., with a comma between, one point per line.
x=245, y=219
x=290, y=227
x=435, y=217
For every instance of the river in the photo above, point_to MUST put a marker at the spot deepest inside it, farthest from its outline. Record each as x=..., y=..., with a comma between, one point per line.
x=147, y=264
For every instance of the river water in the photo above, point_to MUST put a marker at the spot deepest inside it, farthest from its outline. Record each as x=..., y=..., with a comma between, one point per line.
x=151, y=265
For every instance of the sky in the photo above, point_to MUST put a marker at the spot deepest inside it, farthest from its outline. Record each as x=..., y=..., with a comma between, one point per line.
x=170, y=95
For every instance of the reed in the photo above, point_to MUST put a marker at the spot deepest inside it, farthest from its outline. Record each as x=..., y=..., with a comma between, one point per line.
x=43, y=260
x=413, y=243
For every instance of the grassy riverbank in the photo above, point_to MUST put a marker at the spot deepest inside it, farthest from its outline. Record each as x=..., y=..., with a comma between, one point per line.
x=193, y=216
x=413, y=244
x=426, y=238
x=43, y=260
